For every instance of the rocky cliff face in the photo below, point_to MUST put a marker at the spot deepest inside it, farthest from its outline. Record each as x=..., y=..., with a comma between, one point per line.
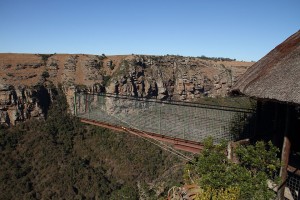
x=175, y=77
x=27, y=80
x=22, y=103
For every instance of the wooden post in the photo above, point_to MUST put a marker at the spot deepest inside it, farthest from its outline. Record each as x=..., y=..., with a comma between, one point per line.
x=285, y=156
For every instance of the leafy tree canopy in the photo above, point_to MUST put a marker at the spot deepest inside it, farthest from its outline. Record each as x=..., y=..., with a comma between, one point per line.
x=217, y=175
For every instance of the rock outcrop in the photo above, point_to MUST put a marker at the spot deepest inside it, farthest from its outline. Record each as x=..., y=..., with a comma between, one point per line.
x=27, y=80
x=176, y=77
x=22, y=103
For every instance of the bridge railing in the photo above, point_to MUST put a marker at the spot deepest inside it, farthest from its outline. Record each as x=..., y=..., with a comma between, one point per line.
x=184, y=120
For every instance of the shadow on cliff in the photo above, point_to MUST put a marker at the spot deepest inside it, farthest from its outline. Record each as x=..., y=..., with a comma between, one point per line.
x=43, y=99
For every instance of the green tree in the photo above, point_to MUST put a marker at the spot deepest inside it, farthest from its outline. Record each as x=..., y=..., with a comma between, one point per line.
x=126, y=192
x=211, y=170
x=60, y=124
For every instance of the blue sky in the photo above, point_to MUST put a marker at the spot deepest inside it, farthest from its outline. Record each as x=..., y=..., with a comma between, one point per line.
x=245, y=30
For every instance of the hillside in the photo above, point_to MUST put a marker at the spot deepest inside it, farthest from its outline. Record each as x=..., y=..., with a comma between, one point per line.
x=26, y=80
x=60, y=158
x=208, y=76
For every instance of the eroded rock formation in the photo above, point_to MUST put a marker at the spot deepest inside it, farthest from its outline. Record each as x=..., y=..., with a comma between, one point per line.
x=27, y=80
x=176, y=77
x=22, y=103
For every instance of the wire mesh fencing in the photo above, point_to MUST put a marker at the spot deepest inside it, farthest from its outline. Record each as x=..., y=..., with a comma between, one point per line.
x=188, y=121
x=293, y=185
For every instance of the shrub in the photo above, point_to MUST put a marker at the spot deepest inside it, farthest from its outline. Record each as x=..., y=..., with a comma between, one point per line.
x=231, y=193
x=10, y=74
x=106, y=80
x=45, y=57
x=212, y=170
x=45, y=74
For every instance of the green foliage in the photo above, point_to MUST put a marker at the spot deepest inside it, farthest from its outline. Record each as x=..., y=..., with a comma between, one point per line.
x=212, y=160
x=126, y=192
x=122, y=69
x=231, y=193
x=60, y=158
x=45, y=74
x=124, y=149
x=45, y=57
x=60, y=124
x=8, y=138
x=10, y=74
x=106, y=80
x=260, y=157
x=212, y=169
x=216, y=58
x=99, y=65
x=81, y=87
x=240, y=124
x=112, y=67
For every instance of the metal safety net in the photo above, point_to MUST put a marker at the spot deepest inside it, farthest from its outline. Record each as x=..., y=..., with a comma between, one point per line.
x=183, y=120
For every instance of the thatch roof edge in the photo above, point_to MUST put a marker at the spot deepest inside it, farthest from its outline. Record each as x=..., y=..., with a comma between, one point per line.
x=283, y=62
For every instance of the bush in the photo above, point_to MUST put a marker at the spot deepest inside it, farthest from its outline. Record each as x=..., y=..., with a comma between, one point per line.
x=45, y=74
x=231, y=193
x=45, y=57
x=106, y=80
x=126, y=192
x=260, y=157
x=212, y=171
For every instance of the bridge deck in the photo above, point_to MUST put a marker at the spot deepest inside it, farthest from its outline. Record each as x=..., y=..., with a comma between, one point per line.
x=186, y=145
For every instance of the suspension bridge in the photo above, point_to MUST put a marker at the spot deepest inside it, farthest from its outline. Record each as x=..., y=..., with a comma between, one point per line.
x=182, y=124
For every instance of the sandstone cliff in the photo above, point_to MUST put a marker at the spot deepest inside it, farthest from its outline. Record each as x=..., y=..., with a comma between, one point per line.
x=27, y=81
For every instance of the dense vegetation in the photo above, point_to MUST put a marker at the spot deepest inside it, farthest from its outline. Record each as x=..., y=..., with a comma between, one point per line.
x=45, y=57
x=221, y=178
x=60, y=158
x=216, y=58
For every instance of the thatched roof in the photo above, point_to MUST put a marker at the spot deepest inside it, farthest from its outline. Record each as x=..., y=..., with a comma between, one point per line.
x=276, y=76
